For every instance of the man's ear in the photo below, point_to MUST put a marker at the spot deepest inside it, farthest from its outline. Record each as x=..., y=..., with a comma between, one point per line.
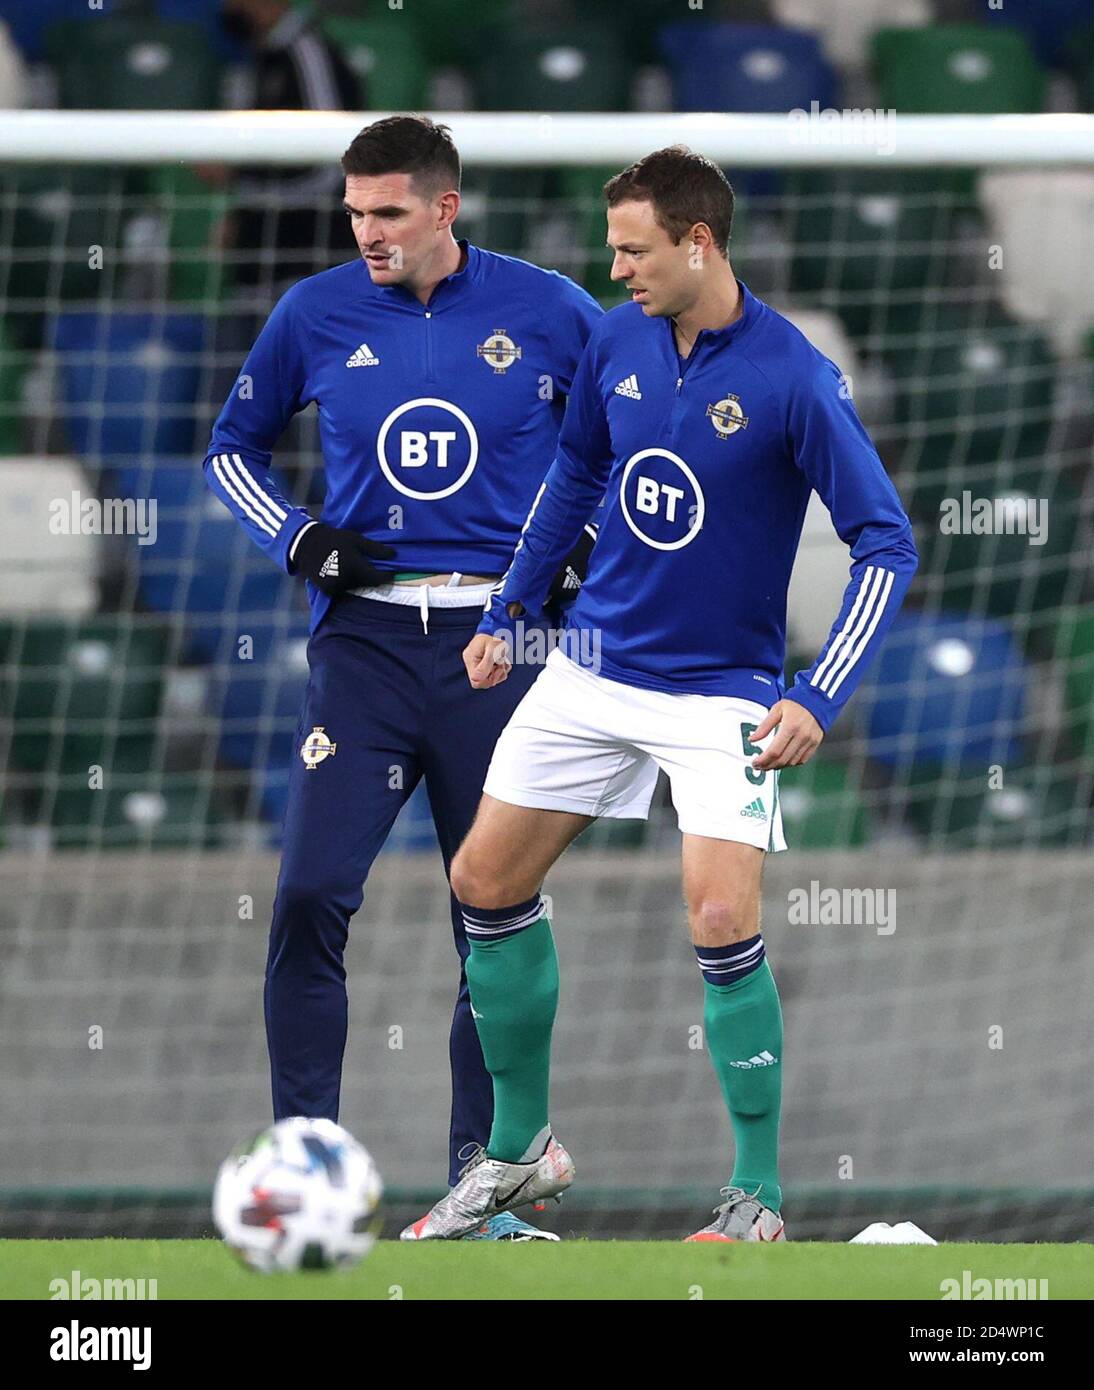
x=448, y=207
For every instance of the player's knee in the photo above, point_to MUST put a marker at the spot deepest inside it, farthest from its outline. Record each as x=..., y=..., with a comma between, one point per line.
x=477, y=883
x=720, y=921
x=302, y=893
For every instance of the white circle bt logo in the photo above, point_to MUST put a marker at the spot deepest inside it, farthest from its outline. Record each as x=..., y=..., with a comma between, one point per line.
x=429, y=442
x=660, y=490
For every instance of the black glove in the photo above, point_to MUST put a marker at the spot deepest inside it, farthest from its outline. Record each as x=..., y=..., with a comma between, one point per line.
x=336, y=560
x=567, y=583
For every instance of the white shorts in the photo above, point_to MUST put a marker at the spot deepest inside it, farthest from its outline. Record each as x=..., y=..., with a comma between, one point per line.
x=580, y=742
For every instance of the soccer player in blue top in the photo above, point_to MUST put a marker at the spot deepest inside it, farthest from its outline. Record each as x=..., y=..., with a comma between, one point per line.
x=709, y=419
x=440, y=373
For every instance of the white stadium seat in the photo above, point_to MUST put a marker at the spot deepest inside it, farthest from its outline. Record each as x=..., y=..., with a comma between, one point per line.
x=45, y=572
x=845, y=28
x=1043, y=223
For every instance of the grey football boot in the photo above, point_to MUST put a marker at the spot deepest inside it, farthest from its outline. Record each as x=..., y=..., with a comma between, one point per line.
x=742, y=1217
x=488, y=1186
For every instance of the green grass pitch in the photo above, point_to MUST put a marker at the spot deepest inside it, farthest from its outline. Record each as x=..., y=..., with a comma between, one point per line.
x=575, y=1269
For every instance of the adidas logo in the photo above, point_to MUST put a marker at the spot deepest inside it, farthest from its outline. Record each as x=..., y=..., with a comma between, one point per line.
x=329, y=567
x=363, y=358
x=629, y=387
x=572, y=580
x=755, y=811
x=761, y=1059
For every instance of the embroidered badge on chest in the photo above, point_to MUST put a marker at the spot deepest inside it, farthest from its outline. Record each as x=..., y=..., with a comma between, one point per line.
x=499, y=351
x=727, y=417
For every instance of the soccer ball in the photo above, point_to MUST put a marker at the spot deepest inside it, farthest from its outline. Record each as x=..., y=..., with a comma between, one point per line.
x=302, y=1194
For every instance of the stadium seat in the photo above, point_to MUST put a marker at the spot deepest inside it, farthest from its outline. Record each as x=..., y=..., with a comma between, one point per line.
x=556, y=68
x=78, y=691
x=1044, y=221
x=1074, y=650
x=581, y=189
x=846, y=29
x=503, y=208
x=745, y=67
x=13, y=365
x=52, y=215
x=1036, y=807
x=1080, y=58
x=1008, y=575
x=35, y=583
x=139, y=808
x=820, y=576
x=959, y=68
x=192, y=211
x=821, y=806
x=455, y=35
x=975, y=388
x=30, y=21
x=131, y=381
x=1047, y=24
x=869, y=242
x=203, y=566
x=13, y=74
x=946, y=691
x=386, y=54
x=206, y=14
x=133, y=62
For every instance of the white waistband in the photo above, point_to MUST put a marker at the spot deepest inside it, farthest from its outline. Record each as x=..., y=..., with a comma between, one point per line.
x=432, y=595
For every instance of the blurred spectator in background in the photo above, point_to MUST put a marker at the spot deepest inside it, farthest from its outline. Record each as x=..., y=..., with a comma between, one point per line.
x=288, y=222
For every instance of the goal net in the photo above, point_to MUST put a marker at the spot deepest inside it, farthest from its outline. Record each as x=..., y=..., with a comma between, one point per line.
x=929, y=929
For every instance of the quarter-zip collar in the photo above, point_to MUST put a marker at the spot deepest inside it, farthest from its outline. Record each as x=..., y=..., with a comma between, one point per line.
x=715, y=339
x=451, y=290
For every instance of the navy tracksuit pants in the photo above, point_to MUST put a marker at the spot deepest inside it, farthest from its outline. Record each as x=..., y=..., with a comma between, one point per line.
x=396, y=704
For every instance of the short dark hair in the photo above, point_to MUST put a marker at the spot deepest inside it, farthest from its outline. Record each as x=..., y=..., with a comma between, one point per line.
x=412, y=145
x=683, y=187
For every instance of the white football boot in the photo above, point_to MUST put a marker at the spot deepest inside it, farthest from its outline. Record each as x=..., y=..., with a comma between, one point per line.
x=742, y=1217
x=488, y=1186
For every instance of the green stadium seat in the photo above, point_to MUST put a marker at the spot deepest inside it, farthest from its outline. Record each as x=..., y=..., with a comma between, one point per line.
x=386, y=53
x=455, y=35
x=1080, y=59
x=13, y=365
x=976, y=388
x=72, y=688
x=51, y=215
x=554, y=69
x=139, y=809
x=133, y=62
x=193, y=210
x=869, y=243
x=1006, y=576
x=821, y=806
x=1074, y=649
x=502, y=207
x=1036, y=807
x=581, y=191
x=962, y=68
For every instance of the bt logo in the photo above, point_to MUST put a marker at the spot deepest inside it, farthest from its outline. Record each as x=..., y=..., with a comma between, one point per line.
x=661, y=499
x=428, y=441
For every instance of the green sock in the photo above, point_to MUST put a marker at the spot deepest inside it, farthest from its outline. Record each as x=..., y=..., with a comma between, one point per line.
x=514, y=995
x=744, y=1021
